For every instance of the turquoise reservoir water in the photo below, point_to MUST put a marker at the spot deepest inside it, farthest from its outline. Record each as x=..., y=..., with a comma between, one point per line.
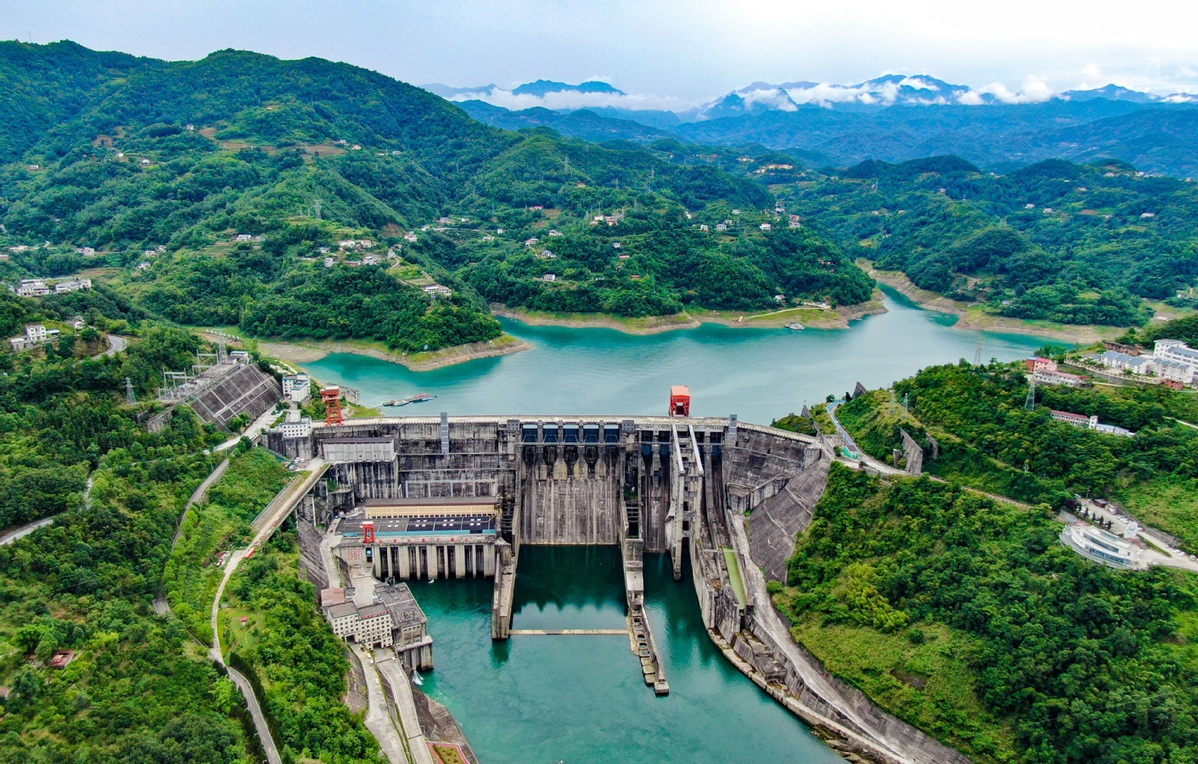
x=758, y=374
x=581, y=698
x=578, y=699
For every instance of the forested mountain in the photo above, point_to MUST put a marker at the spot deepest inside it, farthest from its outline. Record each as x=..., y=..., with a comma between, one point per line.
x=1053, y=240
x=218, y=183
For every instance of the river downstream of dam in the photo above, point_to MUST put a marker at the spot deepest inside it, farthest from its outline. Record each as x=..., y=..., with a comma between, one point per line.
x=581, y=698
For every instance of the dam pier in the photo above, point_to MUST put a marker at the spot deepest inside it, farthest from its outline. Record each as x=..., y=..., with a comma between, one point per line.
x=427, y=498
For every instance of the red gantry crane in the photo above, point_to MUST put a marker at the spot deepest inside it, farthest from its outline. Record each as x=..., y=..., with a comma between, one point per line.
x=680, y=400
x=332, y=401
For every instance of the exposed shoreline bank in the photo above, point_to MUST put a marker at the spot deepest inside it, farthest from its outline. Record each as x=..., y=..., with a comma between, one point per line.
x=810, y=317
x=306, y=351
x=972, y=317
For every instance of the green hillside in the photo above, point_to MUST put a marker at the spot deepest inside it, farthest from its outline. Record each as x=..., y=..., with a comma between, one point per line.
x=1081, y=244
x=990, y=441
x=218, y=188
x=968, y=618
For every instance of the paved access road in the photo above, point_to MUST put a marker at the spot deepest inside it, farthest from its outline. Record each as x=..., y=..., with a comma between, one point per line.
x=115, y=345
x=378, y=718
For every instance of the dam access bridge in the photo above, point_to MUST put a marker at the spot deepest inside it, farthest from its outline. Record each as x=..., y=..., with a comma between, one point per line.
x=457, y=497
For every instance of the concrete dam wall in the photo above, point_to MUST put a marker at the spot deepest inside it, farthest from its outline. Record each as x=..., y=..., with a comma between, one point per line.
x=445, y=497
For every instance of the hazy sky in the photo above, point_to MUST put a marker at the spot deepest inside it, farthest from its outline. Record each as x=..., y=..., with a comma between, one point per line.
x=690, y=50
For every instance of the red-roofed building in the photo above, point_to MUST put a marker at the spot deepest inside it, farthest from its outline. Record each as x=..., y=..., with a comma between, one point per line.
x=62, y=659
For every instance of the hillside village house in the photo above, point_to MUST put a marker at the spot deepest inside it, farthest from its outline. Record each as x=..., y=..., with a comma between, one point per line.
x=35, y=334
x=72, y=285
x=1046, y=372
x=32, y=288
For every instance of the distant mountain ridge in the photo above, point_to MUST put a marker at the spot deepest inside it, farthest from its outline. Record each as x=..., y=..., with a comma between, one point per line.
x=895, y=117
x=880, y=92
x=541, y=87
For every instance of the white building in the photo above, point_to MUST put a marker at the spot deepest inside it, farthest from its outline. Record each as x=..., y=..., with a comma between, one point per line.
x=1089, y=423
x=1175, y=360
x=1100, y=546
x=1132, y=364
x=370, y=625
x=72, y=285
x=32, y=288
x=36, y=333
x=297, y=388
x=296, y=425
x=437, y=290
x=1045, y=377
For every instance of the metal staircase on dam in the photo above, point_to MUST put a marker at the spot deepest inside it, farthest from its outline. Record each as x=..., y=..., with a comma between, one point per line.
x=686, y=478
x=507, y=517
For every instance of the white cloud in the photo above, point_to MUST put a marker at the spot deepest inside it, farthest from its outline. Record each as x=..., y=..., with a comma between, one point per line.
x=917, y=84
x=1035, y=90
x=774, y=97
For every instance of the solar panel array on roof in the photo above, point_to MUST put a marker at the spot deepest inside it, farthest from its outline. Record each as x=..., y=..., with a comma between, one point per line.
x=386, y=526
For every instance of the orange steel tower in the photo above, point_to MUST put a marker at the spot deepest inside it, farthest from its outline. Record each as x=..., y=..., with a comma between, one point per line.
x=332, y=401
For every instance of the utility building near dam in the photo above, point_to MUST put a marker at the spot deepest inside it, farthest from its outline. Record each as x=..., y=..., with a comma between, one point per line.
x=427, y=538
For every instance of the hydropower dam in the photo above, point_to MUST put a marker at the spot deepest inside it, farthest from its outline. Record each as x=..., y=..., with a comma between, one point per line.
x=428, y=498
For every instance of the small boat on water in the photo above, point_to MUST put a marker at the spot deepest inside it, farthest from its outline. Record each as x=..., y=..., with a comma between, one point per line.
x=418, y=398
x=796, y=326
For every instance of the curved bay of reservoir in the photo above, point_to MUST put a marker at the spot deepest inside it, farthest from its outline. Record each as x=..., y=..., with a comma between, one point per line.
x=581, y=698
x=758, y=374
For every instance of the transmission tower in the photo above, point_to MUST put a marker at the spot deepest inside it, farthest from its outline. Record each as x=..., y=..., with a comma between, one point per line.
x=129, y=396
x=1030, y=403
x=977, y=353
x=907, y=402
